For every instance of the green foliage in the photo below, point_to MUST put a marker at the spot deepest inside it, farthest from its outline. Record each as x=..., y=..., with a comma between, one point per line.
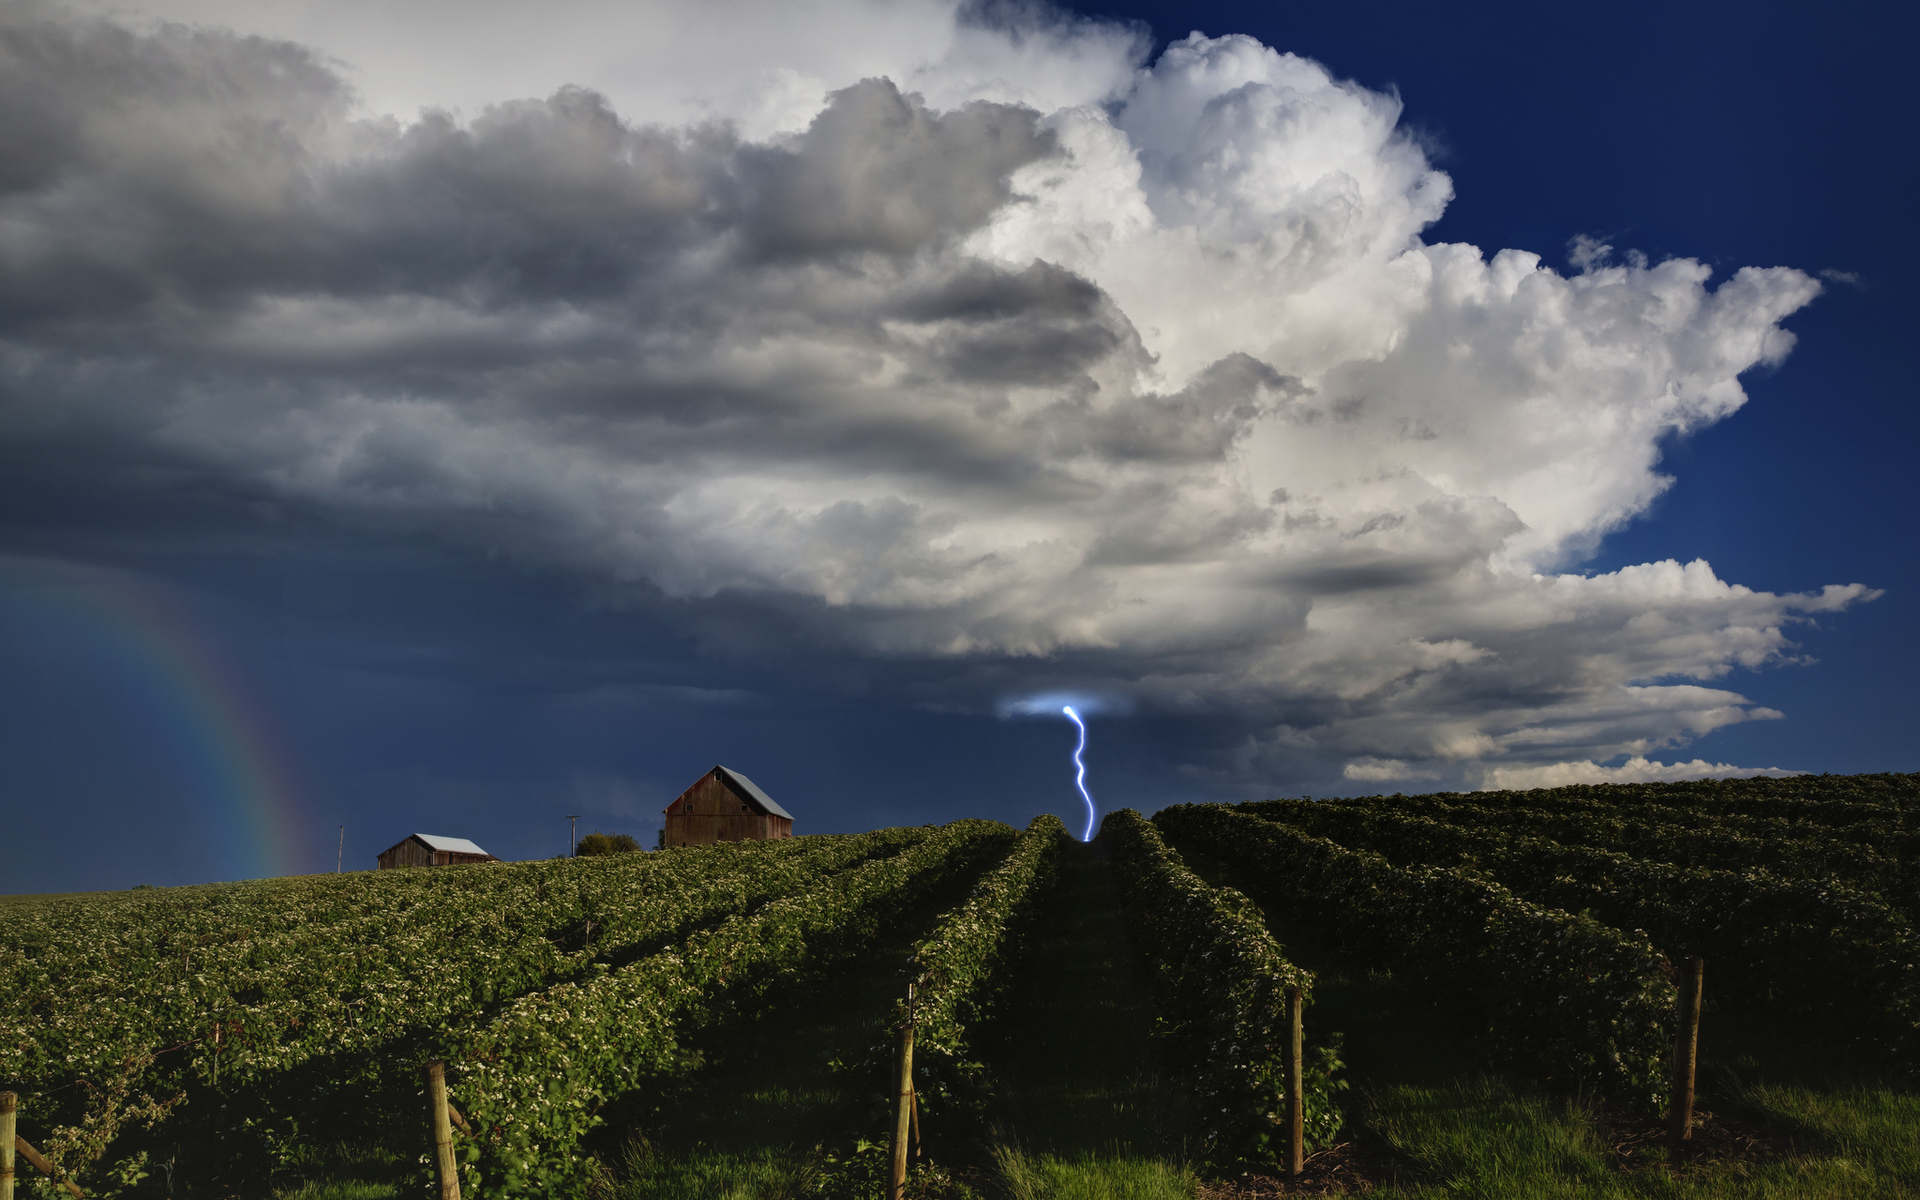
x=1817, y=944
x=1222, y=986
x=1789, y=848
x=1834, y=801
x=959, y=968
x=597, y=843
x=1565, y=994
x=244, y=985
x=533, y=1079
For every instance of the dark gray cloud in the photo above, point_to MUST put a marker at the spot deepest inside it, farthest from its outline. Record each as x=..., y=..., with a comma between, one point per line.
x=927, y=402
x=877, y=171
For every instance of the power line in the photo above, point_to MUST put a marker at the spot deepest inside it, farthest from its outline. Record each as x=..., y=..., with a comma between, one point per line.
x=573, y=835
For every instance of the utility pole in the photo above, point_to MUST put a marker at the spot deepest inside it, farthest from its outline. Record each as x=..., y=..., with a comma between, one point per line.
x=573, y=835
x=341, y=856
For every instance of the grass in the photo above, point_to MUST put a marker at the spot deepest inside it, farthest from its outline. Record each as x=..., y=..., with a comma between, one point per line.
x=1489, y=1138
x=696, y=1174
x=1484, y=1137
x=339, y=1189
x=1116, y=1175
x=349, y=1172
x=1876, y=1130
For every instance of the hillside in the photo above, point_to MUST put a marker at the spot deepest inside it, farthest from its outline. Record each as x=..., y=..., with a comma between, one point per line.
x=1488, y=980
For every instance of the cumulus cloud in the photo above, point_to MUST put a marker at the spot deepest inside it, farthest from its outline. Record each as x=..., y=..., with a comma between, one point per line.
x=998, y=363
x=1634, y=770
x=1382, y=770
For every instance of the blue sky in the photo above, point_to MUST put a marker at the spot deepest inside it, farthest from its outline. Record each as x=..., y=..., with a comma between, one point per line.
x=454, y=473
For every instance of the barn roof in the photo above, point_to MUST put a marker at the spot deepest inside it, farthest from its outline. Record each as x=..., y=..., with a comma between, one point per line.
x=456, y=845
x=750, y=788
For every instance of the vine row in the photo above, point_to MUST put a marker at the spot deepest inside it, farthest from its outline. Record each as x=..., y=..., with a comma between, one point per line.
x=1220, y=984
x=1563, y=993
x=533, y=1079
x=960, y=967
x=404, y=952
x=1817, y=944
x=1865, y=855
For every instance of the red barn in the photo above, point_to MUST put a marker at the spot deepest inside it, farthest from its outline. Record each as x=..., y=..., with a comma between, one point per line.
x=725, y=806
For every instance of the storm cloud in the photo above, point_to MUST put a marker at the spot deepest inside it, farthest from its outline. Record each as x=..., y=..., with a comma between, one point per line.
x=945, y=383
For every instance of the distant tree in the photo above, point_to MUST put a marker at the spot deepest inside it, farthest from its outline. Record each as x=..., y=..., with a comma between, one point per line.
x=606, y=843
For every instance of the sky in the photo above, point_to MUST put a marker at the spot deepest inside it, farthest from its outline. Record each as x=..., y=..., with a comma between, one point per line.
x=451, y=417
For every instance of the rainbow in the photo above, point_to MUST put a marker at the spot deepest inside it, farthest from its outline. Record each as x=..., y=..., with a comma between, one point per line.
x=135, y=637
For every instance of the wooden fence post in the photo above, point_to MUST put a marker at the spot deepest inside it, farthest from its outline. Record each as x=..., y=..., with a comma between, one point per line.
x=916, y=1124
x=442, y=1131
x=1296, y=1089
x=1686, y=1051
x=903, y=1108
x=8, y=1104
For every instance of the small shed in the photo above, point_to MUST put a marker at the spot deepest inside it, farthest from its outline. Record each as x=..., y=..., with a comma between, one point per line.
x=431, y=850
x=724, y=806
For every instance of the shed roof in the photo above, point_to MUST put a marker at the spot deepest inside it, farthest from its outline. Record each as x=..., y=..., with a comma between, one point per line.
x=456, y=845
x=750, y=788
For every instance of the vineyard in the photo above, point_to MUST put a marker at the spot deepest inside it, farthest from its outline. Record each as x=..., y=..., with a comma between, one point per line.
x=1457, y=994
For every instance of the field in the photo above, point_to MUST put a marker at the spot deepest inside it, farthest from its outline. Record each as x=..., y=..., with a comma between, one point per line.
x=1489, y=980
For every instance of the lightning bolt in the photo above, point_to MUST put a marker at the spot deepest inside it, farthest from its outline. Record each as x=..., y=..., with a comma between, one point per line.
x=1080, y=768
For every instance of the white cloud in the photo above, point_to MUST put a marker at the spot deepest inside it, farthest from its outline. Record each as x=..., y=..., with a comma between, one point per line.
x=960, y=374
x=1382, y=770
x=1634, y=770
x=764, y=64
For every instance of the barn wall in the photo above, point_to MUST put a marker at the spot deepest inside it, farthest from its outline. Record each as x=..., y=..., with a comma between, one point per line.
x=710, y=812
x=407, y=854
